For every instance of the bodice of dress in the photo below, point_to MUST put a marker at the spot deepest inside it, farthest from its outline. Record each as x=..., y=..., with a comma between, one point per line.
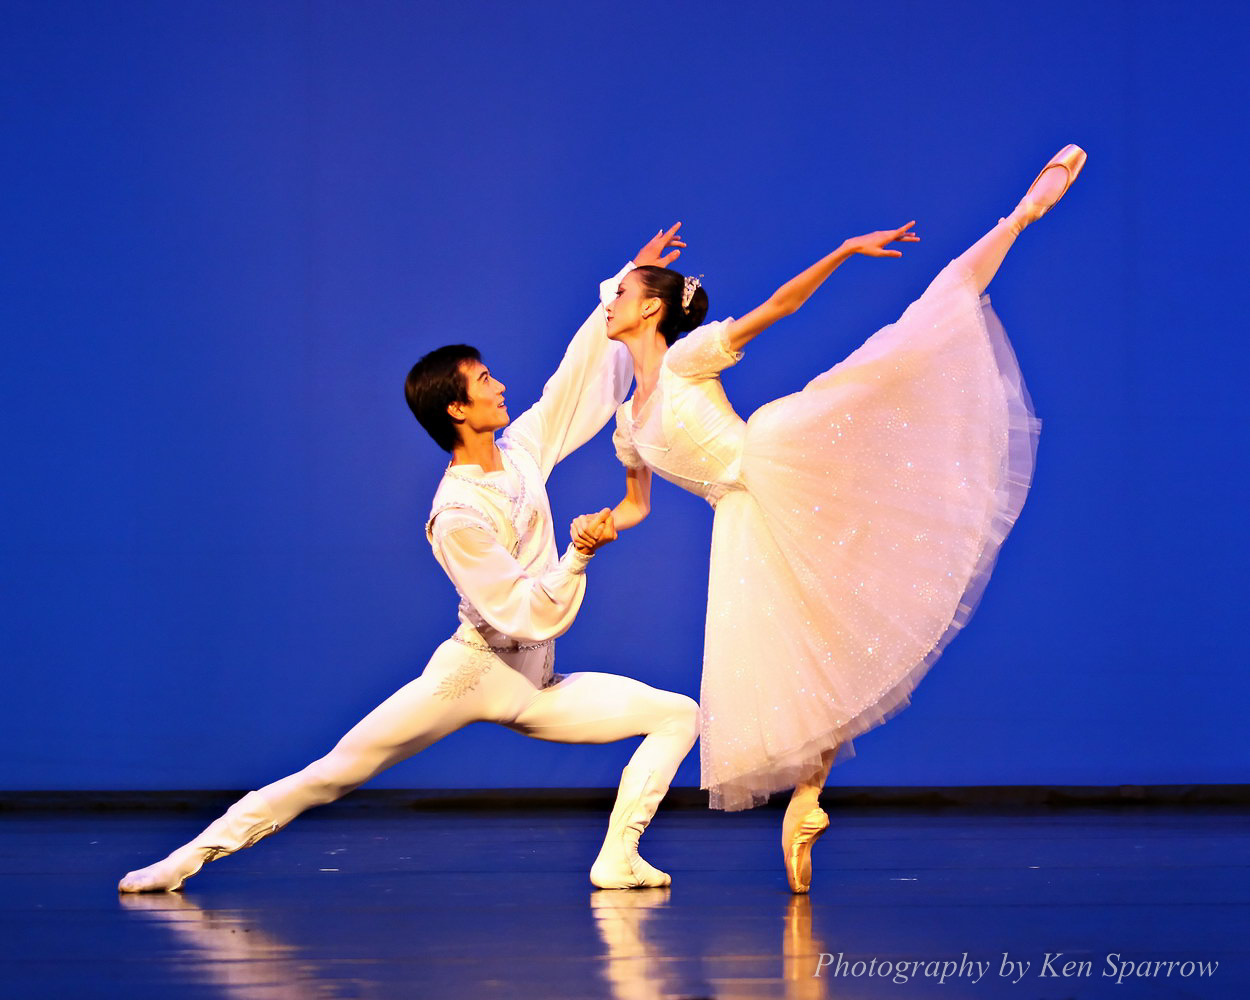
x=686, y=431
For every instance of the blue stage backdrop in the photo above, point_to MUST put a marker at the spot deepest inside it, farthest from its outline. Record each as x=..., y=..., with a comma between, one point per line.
x=230, y=228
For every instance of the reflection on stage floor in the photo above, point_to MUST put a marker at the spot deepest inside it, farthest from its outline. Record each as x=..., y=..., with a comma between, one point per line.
x=467, y=904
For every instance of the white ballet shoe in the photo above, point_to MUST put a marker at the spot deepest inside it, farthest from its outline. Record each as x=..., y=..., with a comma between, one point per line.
x=1032, y=207
x=619, y=865
x=797, y=851
x=167, y=875
x=243, y=824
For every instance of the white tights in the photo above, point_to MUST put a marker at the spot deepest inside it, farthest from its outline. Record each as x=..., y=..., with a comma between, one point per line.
x=462, y=685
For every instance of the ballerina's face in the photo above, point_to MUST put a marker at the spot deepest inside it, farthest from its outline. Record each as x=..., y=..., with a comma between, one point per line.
x=631, y=305
x=485, y=410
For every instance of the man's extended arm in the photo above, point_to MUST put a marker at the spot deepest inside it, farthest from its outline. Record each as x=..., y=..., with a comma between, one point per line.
x=593, y=378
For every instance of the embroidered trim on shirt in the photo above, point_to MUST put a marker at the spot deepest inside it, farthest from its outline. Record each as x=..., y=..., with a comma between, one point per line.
x=509, y=442
x=516, y=502
x=449, y=523
x=487, y=521
x=513, y=499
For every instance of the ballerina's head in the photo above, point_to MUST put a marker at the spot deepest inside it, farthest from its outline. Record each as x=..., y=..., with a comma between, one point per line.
x=656, y=300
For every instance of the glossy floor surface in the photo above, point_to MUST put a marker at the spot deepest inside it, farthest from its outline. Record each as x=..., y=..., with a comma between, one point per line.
x=496, y=904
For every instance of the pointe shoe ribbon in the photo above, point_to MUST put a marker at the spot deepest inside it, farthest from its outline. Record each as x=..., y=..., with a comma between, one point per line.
x=798, y=852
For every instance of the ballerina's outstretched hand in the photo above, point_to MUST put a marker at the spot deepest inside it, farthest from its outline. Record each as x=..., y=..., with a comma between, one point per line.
x=654, y=251
x=874, y=244
x=798, y=289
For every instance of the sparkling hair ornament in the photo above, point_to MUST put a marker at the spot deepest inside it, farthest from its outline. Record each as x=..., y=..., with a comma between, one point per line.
x=687, y=291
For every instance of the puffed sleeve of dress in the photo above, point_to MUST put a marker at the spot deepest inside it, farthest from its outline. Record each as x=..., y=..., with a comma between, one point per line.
x=623, y=442
x=527, y=608
x=703, y=353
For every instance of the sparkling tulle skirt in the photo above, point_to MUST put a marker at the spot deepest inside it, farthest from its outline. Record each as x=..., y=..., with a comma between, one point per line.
x=874, y=502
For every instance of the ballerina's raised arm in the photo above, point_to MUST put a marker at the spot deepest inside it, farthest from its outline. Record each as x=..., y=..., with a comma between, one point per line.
x=787, y=299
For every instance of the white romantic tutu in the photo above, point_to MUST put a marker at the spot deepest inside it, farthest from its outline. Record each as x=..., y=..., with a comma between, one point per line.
x=875, y=502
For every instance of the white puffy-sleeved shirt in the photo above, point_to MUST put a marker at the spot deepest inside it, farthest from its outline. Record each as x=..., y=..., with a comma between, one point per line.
x=492, y=531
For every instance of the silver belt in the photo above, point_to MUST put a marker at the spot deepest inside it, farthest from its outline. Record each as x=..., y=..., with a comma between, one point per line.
x=519, y=647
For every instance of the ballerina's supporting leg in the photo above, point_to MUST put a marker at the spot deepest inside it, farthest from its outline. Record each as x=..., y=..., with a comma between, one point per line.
x=803, y=824
x=985, y=256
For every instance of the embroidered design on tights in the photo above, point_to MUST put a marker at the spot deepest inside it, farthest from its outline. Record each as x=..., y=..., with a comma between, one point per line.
x=465, y=677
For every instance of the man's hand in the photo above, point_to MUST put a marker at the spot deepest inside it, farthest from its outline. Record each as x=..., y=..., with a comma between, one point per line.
x=590, y=532
x=653, y=253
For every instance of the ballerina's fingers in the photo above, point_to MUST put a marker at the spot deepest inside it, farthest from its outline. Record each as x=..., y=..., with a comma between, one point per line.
x=607, y=529
x=901, y=235
x=653, y=252
x=671, y=239
x=904, y=233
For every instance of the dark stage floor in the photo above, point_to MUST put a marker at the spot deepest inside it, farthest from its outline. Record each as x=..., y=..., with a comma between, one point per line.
x=470, y=904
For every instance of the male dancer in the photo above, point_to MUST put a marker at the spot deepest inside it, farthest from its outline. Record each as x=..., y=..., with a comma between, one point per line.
x=490, y=528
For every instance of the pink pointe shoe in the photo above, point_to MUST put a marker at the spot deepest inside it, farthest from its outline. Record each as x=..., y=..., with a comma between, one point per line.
x=798, y=852
x=1070, y=160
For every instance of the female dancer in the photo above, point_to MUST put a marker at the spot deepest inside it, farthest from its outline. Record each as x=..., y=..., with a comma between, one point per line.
x=856, y=521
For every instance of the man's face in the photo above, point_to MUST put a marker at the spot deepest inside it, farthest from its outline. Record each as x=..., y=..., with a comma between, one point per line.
x=485, y=410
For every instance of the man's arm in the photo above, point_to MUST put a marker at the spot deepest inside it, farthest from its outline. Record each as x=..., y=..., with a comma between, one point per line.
x=593, y=378
x=527, y=608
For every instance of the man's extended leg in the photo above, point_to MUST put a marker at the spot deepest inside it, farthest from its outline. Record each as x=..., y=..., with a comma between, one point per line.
x=459, y=685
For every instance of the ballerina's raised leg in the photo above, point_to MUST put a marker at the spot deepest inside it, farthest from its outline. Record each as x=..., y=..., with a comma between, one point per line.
x=804, y=820
x=986, y=255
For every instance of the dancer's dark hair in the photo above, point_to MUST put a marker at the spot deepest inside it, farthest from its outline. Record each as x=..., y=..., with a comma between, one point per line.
x=433, y=384
x=667, y=285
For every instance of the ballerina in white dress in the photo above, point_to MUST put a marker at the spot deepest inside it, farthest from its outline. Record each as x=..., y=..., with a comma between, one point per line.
x=857, y=520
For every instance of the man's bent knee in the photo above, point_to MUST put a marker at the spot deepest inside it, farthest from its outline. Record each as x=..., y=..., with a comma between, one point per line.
x=684, y=717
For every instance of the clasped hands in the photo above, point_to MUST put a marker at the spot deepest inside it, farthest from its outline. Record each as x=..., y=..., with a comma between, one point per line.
x=590, y=532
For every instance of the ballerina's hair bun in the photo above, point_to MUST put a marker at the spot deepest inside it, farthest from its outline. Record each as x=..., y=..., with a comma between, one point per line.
x=685, y=299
